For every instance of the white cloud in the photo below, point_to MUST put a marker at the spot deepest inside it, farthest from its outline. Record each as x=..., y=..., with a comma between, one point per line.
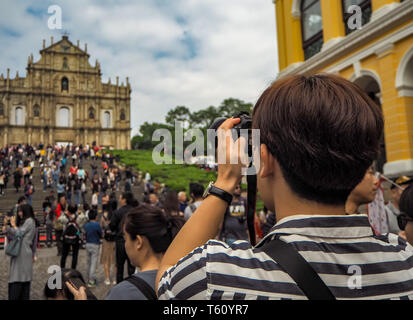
x=182, y=52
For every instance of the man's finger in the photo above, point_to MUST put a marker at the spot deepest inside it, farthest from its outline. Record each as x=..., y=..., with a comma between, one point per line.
x=229, y=123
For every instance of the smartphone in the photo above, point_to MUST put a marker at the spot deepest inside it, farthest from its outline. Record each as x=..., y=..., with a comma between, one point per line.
x=77, y=283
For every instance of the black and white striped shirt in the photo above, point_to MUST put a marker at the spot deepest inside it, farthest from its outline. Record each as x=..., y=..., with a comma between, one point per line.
x=337, y=247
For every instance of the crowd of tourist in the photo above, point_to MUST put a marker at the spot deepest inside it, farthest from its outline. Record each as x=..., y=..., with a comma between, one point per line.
x=313, y=190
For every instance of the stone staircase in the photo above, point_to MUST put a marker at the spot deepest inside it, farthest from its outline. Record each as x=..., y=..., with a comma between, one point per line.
x=10, y=198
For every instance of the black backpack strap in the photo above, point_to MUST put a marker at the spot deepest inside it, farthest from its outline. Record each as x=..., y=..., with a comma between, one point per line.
x=299, y=269
x=143, y=287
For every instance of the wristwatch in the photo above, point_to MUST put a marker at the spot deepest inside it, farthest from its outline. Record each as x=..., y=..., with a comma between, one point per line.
x=222, y=194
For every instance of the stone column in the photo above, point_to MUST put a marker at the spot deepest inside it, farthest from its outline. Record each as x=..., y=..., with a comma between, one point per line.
x=5, y=135
x=30, y=132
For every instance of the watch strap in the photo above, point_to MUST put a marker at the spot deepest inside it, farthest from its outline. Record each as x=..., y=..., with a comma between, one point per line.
x=222, y=194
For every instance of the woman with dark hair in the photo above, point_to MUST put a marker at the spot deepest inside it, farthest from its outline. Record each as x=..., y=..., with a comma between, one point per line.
x=21, y=266
x=53, y=292
x=405, y=219
x=148, y=232
x=170, y=204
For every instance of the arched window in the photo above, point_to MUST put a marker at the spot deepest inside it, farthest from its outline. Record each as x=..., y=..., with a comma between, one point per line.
x=91, y=113
x=64, y=117
x=122, y=115
x=311, y=27
x=36, y=110
x=65, y=84
x=1, y=109
x=106, y=120
x=365, y=6
x=19, y=120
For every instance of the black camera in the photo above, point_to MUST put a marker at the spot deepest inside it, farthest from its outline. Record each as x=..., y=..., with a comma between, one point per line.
x=245, y=123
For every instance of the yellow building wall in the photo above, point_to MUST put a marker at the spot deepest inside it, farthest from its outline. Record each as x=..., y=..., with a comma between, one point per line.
x=292, y=31
x=331, y=10
x=397, y=111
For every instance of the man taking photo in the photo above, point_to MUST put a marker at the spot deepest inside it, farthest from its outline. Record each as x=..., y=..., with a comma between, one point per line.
x=319, y=135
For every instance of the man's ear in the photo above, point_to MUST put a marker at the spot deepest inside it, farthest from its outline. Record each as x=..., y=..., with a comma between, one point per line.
x=267, y=162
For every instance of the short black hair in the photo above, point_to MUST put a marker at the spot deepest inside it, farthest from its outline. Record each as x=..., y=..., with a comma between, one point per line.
x=196, y=189
x=92, y=214
x=128, y=196
x=323, y=130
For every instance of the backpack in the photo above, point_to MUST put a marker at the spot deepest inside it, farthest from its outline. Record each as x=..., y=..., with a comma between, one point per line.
x=59, y=223
x=71, y=233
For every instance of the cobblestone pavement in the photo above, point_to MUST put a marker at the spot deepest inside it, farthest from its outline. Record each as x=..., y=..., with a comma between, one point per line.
x=46, y=258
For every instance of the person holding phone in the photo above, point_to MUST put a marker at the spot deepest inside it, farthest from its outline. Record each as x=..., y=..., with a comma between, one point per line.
x=72, y=281
x=21, y=267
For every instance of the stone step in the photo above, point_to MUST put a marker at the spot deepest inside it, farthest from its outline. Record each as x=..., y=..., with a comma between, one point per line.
x=10, y=198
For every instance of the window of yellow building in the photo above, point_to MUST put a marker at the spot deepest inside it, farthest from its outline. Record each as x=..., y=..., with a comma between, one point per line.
x=365, y=6
x=311, y=27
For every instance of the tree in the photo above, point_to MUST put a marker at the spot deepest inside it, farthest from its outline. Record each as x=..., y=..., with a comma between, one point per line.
x=144, y=139
x=179, y=113
x=230, y=107
x=204, y=118
x=201, y=119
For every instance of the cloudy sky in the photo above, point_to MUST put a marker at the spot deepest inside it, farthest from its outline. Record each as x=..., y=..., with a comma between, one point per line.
x=175, y=52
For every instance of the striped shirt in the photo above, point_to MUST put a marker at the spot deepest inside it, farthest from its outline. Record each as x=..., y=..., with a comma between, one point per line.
x=338, y=248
